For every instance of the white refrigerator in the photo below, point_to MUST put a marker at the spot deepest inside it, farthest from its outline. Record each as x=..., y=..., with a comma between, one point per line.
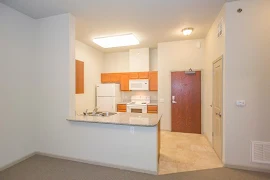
x=108, y=95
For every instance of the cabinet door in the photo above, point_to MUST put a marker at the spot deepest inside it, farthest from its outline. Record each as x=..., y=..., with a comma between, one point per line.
x=79, y=77
x=124, y=83
x=152, y=109
x=153, y=81
x=115, y=77
x=133, y=75
x=105, y=78
x=143, y=75
x=121, y=108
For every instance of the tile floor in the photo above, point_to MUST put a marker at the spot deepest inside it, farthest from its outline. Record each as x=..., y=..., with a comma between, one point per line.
x=180, y=152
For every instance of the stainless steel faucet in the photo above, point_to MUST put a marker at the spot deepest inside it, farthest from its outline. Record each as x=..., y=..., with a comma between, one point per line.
x=94, y=110
x=85, y=112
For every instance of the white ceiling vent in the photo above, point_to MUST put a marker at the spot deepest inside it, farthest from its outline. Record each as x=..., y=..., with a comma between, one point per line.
x=261, y=152
x=220, y=28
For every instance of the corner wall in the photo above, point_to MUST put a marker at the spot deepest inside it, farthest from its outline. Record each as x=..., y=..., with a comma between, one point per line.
x=119, y=61
x=175, y=56
x=214, y=48
x=56, y=37
x=93, y=67
x=247, y=78
x=18, y=85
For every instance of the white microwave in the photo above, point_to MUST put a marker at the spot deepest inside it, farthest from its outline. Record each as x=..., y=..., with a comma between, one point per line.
x=139, y=85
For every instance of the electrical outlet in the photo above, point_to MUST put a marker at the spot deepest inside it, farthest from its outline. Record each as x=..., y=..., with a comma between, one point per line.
x=240, y=103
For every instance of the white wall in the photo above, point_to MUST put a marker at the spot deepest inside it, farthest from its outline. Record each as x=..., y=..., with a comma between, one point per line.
x=18, y=104
x=89, y=142
x=139, y=60
x=116, y=62
x=57, y=82
x=175, y=56
x=93, y=66
x=246, y=77
x=214, y=48
x=119, y=61
x=126, y=95
x=153, y=60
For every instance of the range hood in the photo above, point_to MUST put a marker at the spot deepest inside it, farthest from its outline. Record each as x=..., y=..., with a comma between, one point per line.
x=139, y=60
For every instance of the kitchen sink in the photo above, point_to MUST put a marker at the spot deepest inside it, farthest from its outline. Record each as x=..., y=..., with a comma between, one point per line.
x=101, y=114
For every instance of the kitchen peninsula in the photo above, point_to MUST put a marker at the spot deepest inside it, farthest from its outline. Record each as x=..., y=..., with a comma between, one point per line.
x=124, y=140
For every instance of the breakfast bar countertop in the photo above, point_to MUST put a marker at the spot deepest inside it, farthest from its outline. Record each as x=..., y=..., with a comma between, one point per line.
x=121, y=118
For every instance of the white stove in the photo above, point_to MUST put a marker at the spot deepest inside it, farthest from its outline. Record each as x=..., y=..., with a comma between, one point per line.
x=138, y=104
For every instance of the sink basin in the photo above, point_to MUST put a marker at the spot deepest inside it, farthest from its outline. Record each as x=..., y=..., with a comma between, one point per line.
x=101, y=114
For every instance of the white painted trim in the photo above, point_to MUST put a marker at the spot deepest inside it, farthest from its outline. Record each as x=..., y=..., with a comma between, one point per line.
x=17, y=161
x=222, y=109
x=98, y=163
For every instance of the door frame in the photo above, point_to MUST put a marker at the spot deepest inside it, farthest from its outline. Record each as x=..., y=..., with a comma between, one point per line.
x=213, y=113
x=202, y=86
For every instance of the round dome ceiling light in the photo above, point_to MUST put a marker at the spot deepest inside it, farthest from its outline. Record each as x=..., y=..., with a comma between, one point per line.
x=187, y=31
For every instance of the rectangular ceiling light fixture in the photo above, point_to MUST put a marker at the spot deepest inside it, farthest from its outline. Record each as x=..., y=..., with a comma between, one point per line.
x=117, y=41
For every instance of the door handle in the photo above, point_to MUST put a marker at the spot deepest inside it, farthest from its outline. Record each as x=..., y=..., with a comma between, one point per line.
x=173, y=100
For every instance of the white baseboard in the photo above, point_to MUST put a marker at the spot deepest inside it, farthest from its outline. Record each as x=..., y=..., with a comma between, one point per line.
x=98, y=163
x=246, y=168
x=17, y=161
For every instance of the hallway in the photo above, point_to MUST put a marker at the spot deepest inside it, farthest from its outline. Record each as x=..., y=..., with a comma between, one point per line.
x=181, y=152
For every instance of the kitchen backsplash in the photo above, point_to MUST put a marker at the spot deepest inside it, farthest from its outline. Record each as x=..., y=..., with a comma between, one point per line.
x=126, y=96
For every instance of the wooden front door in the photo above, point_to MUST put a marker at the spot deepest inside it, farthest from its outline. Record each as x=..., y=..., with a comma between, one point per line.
x=186, y=102
x=217, y=108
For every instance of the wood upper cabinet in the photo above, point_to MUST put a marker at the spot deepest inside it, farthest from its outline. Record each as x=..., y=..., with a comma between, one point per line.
x=123, y=79
x=124, y=82
x=133, y=75
x=143, y=75
x=110, y=77
x=105, y=78
x=138, y=75
x=153, y=81
x=79, y=77
x=115, y=77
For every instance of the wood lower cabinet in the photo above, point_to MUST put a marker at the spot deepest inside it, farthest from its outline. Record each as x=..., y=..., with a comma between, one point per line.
x=152, y=109
x=124, y=82
x=153, y=81
x=121, y=108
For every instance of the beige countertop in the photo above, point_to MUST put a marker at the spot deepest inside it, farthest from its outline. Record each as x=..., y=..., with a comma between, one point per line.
x=129, y=119
x=152, y=104
x=122, y=103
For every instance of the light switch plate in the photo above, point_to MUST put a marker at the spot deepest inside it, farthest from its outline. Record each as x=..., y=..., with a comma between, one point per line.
x=241, y=103
x=161, y=100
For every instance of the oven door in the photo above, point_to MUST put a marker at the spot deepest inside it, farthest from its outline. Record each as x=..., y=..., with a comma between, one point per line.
x=137, y=109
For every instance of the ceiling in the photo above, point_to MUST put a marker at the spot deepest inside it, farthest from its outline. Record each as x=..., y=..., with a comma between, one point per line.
x=152, y=21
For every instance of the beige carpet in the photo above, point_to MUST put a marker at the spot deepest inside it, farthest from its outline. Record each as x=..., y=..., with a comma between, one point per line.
x=45, y=168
